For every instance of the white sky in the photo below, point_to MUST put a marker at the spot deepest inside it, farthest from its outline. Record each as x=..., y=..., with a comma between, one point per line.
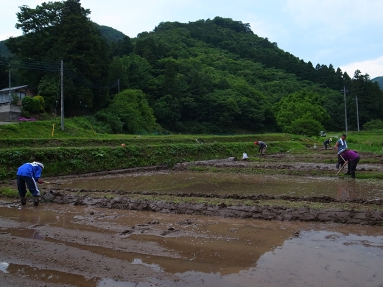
x=345, y=33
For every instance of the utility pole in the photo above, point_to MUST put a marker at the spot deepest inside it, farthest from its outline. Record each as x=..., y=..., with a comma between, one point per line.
x=345, y=107
x=62, y=94
x=9, y=93
x=357, y=111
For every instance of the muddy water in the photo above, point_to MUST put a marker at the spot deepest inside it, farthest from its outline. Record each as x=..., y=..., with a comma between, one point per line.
x=229, y=183
x=181, y=250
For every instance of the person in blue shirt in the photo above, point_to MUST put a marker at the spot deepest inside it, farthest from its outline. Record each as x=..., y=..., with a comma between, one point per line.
x=341, y=146
x=27, y=176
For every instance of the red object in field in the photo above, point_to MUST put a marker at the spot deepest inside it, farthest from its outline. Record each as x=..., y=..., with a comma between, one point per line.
x=256, y=143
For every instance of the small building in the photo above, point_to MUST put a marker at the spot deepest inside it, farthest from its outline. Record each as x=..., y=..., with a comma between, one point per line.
x=8, y=111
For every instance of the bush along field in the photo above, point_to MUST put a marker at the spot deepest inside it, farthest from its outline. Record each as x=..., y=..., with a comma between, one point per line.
x=75, y=160
x=78, y=149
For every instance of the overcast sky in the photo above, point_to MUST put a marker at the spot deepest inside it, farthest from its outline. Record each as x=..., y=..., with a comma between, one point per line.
x=345, y=33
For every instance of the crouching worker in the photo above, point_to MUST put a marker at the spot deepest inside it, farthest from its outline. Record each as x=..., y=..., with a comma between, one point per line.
x=327, y=143
x=27, y=176
x=262, y=146
x=351, y=158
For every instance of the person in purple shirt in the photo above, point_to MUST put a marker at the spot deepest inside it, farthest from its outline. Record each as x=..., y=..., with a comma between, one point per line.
x=352, y=158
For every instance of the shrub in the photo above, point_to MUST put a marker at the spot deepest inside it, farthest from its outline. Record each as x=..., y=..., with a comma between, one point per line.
x=306, y=126
x=30, y=106
x=40, y=102
x=373, y=125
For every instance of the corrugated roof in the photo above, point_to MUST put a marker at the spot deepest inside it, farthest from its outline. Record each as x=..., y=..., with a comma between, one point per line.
x=13, y=88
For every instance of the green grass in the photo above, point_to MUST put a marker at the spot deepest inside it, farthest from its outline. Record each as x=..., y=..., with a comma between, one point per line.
x=10, y=193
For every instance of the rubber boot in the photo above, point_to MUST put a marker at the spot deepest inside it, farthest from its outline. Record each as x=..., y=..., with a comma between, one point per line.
x=36, y=200
x=353, y=174
x=23, y=200
x=348, y=173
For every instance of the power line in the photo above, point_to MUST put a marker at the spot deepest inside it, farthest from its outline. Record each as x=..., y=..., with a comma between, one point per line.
x=43, y=65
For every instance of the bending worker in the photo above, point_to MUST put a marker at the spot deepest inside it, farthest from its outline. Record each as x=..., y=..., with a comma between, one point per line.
x=351, y=158
x=262, y=146
x=327, y=143
x=27, y=176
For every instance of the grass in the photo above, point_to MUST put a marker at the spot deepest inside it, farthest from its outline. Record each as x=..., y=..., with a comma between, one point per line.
x=10, y=193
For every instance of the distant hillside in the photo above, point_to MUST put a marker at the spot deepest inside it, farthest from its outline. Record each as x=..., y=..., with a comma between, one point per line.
x=208, y=76
x=4, y=50
x=379, y=80
x=110, y=34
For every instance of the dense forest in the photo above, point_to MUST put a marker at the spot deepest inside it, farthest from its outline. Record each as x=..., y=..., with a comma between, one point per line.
x=207, y=76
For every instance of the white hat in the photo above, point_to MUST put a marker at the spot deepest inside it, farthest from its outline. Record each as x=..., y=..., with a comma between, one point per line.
x=38, y=163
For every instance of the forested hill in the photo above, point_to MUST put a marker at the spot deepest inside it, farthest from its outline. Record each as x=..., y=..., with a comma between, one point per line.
x=237, y=37
x=110, y=35
x=379, y=80
x=207, y=76
x=217, y=75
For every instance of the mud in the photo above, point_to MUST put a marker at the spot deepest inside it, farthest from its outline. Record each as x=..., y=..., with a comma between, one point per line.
x=371, y=217
x=226, y=185
x=62, y=245
x=184, y=227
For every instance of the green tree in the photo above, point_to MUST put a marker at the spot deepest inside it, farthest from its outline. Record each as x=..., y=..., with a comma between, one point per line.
x=167, y=111
x=57, y=31
x=300, y=107
x=370, y=100
x=30, y=106
x=132, y=108
x=4, y=81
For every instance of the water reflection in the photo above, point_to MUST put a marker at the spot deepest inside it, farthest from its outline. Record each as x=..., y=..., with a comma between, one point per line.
x=315, y=258
x=3, y=267
x=207, y=252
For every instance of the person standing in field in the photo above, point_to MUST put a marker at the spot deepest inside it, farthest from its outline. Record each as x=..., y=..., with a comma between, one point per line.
x=27, y=176
x=340, y=146
x=262, y=147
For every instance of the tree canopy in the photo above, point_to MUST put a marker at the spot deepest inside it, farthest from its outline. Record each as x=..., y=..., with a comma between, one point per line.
x=56, y=31
x=207, y=76
x=301, y=113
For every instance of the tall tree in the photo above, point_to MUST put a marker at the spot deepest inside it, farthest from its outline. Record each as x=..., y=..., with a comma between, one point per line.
x=370, y=100
x=58, y=31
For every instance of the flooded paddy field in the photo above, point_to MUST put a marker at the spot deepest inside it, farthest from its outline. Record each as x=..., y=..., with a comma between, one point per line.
x=198, y=225
x=62, y=245
x=219, y=183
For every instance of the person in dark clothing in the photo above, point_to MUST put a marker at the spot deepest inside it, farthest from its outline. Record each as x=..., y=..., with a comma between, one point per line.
x=352, y=159
x=327, y=143
x=27, y=176
x=262, y=147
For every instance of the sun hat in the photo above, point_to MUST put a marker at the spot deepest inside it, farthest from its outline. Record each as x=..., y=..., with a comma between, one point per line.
x=39, y=164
